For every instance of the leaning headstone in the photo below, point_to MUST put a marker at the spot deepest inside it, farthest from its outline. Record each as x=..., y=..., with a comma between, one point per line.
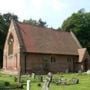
x=28, y=84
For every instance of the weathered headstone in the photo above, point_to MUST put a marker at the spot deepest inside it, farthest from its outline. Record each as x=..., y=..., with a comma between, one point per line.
x=47, y=82
x=45, y=85
x=75, y=81
x=33, y=76
x=28, y=84
x=88, y=72
x=49, y=78
x=41, y=78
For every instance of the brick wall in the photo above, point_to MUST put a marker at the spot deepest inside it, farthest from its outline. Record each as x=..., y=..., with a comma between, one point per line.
x=35, y=63
x=11, y=62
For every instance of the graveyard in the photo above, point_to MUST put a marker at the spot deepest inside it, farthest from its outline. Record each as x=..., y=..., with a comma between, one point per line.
x=60, y=81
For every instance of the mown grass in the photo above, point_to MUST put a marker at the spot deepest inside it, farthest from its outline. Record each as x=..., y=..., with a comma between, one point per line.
x=84, y=82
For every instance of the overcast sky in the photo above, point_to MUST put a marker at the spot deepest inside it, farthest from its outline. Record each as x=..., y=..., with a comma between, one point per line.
x=54, y=12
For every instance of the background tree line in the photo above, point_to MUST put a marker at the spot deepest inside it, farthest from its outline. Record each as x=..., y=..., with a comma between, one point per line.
x=78, y=22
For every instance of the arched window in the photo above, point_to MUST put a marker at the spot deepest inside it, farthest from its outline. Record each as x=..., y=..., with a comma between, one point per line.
x=10, y=44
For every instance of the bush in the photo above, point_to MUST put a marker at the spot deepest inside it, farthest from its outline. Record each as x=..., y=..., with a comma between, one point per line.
x=20, y=85
x=15, y=79
x=6, y=83
x=39, y=84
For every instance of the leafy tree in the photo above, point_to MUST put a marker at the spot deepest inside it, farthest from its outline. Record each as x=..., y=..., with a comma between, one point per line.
x=34, y=22
x=8, y=16
x=41, y=23
x=31, y=21
x=79, y=23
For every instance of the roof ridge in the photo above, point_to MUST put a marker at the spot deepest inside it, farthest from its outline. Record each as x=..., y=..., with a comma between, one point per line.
x=75, y=39
x=20, y=35
x=44, y=28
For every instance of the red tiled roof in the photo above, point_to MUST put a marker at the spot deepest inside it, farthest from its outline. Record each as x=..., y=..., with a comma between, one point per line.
x=42, y=40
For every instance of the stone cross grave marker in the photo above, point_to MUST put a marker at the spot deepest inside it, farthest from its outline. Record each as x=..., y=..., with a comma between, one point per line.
x=47, y=82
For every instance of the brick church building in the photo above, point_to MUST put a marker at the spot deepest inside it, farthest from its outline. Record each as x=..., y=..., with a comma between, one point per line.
x=30, y=48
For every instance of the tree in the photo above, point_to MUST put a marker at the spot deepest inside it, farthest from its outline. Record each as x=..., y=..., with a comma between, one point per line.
x=31, y=21
x=37, y=23
x=41, y=23
x=4, y=25
x=8, y=16
x=79, y=23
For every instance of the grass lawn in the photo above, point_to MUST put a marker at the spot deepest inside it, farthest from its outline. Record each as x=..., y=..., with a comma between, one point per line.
x=84, y=82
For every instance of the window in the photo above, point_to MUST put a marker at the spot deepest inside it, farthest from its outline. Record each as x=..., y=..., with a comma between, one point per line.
x=69, y=59
x=53, y=59
x=10, y=44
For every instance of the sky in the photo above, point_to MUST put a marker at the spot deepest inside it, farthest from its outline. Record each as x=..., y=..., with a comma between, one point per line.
x=54, y=12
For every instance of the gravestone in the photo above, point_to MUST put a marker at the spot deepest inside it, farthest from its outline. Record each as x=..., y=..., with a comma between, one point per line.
x=49, y=78
x=88, y=72
x=45, y=85
x=75, y=81
x=47, y=82
x=33, y=76
x=41, y=78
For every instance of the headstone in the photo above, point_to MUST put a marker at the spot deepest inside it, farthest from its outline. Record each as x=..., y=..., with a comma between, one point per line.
x=28, y=84
x=33, y=76
x=45, y=85
x=75, y=81
x=49, y=78
x=47, y=82
x=50, y=74
x=79, y=71
x=41, y=78
x=67, y=71
x=88, y=72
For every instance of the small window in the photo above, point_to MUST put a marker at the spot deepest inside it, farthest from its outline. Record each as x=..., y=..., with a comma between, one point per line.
x=53, y=60
x=10, y=44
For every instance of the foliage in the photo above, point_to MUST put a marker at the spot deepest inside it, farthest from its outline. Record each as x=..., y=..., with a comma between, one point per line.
x=41, y=23
x=6, y=83
x=31, y=21
x=15, y=79
x=79, y=23
x=20, y=85
x=34, y=22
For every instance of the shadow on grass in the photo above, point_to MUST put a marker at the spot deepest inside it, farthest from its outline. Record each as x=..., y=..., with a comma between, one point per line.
x=9, y=86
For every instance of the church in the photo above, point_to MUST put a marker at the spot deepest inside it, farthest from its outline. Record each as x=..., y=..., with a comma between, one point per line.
x=29, y=48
